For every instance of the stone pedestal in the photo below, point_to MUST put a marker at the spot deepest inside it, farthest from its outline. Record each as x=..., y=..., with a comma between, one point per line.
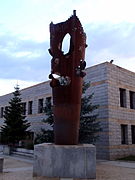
x=65, y=161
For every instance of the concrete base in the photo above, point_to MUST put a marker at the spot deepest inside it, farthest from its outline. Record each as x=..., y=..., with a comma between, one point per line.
x=65, y=161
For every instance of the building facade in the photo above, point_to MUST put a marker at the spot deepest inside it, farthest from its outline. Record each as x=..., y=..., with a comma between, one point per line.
x=114, y=92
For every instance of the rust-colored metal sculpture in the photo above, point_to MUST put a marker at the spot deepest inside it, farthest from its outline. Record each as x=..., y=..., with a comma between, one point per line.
x=67, y=89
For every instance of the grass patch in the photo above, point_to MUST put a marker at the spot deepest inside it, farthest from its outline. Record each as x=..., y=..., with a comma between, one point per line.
x=128, y=158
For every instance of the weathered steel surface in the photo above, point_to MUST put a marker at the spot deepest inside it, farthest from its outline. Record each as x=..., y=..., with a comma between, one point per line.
x=67, y=89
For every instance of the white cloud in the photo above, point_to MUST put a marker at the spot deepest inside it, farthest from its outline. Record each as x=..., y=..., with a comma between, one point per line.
x=27, y=54
x=114, y=11
x=7, y=85
x=21, y=54
x=108, y=42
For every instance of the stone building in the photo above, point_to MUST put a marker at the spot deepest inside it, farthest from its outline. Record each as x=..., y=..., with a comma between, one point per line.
x=114, y=92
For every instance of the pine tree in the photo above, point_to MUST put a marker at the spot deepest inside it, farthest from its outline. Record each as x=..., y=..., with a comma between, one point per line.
x=46, y=135
x=15, y=125
x=89, y=127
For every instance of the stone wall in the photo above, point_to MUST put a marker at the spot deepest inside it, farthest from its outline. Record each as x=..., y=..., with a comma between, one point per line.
x=97, y=76
x=120, y=78
x=106, y=80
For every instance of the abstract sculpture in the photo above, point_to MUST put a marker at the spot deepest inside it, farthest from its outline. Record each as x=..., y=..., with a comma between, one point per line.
x=67, y=89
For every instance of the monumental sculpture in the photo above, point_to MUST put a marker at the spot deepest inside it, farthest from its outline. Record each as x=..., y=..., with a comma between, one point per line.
x=66, y=158
x=67, y=89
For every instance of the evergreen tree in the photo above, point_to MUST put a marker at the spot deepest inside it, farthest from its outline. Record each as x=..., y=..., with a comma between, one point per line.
x=89, y=127
x=46, y=135
x=15, y=125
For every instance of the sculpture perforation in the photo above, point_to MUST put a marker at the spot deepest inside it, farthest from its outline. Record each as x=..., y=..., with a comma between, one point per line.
x=67, y=89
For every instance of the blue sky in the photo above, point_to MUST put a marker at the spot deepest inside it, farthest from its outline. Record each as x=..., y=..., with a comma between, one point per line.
x=24, y=36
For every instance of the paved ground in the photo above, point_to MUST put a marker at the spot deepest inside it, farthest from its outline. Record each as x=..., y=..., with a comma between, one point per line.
x=21, y=169
x=115, y=170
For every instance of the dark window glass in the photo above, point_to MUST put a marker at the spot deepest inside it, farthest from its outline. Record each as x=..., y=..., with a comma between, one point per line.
x=40, y=106
x=133, y=133
x=1, y=112
x=122, y=97
x=124, y=134
x=48, y=99
x=30, y=107
x=6, y=108
x=48, y=103
x=132, y=99
x=23, y=108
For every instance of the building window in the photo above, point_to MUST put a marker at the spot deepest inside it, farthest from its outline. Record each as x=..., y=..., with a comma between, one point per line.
x=6, y=108
x=29, y=135
x=122, y=97
x=133, y=133
x=23, y=108
x=30, y=107
x=1, y=112
x=132, y=99
x=48, y=103
x=40, y=106
x=48, y=99
x=124, y=134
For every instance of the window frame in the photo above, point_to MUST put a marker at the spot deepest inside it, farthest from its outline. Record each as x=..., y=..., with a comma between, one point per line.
x=124, y=134
x=23, y=104
x=123, y=98
x=132, y=99
x=30, y=107
x=40, y=105
x=133, y=133
x=1, y=112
